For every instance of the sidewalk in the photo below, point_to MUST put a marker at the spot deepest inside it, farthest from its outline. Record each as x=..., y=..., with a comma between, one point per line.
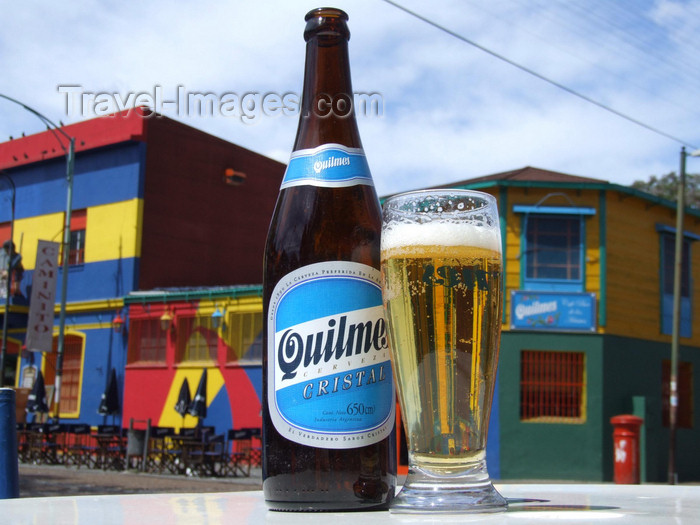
x=36, y=481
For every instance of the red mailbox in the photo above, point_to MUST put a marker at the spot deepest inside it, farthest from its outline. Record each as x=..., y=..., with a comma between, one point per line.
x=626, y=430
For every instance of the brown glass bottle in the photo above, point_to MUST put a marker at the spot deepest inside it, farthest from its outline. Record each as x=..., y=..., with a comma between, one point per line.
x=321, y=268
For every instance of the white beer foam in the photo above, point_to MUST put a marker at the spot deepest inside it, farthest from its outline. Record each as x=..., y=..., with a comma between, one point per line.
x=399, y=235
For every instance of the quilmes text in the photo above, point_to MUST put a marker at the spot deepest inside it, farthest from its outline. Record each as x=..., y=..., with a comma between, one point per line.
x=339, y=341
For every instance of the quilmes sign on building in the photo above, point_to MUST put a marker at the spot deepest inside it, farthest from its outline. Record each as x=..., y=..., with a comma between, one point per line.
x=554, y=311
x=40, y=320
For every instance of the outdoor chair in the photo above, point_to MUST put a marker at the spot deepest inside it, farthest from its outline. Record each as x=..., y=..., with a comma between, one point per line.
x=111, y=449
x=215, y=455
x=238, y=448
x=156, y=453
x=201, y=451
x=34, y=442
x=79, y=449
x=256, y=447
x=22, y=442
x=46, y=443
x=174, y=453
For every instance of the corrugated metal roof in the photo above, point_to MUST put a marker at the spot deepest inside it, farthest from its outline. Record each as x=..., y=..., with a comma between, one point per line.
x=541, y=178
x=530, y=174
x=192, y=293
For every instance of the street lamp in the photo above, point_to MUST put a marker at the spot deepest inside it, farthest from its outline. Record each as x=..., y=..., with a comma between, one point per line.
x=3, y=350
x=216, y=319
x=166, y=320
x=118, y=323
x=70, y=167
x=677, y=272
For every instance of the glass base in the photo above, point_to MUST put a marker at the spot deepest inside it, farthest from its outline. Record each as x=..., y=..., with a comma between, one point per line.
x=426, y=491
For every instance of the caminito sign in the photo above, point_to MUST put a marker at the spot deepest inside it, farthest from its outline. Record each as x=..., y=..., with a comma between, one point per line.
x=41, y=307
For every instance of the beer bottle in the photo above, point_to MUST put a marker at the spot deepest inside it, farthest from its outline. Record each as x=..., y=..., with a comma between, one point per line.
x=328, y=393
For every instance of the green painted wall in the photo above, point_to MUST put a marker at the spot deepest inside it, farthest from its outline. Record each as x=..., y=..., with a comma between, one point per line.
x=623, y=376
x=633, y=384
x=550, y=450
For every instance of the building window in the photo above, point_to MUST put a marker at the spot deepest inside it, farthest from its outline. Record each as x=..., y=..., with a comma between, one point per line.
x=72, y=372
x=76, y=251
x=147, y=341
x=196, y=339
x=553, y=247
x=668, y=257
x=552, y=387
x=245, y=338
x=684, y=410
x=553, y=252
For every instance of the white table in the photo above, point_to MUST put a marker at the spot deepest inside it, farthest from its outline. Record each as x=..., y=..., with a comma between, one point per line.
x=559, y=504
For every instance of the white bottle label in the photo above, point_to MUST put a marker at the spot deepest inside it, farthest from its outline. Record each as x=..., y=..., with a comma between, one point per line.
x=330, y=383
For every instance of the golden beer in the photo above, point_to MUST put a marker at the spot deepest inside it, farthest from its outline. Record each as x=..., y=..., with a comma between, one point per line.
x=442, y=293
x=444, y=319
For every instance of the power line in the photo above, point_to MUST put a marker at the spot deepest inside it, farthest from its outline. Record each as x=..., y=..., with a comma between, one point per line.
x=651, y=44
x=540, y=76
x=659, y=70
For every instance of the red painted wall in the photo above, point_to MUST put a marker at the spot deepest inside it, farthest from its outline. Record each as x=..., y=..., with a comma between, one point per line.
x=89, y=134
x=151, y=389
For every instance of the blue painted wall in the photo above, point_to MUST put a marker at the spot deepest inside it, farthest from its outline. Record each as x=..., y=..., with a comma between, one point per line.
x=102, y=176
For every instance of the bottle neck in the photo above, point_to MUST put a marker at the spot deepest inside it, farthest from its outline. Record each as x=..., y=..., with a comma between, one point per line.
x=327, y=109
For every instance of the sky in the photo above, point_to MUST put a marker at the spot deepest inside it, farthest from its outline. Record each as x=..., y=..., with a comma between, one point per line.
x=499, y=85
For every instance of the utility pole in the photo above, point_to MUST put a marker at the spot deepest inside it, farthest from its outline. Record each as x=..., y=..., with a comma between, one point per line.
x=70, y=168
x=675, y=334
x=8, y=289
x=677, y=272
x=64, y=279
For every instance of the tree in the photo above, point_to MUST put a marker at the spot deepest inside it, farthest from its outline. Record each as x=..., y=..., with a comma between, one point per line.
x=667, y=187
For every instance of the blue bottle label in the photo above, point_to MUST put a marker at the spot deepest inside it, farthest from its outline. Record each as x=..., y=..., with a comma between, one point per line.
x=330, y=383
x=329, y=165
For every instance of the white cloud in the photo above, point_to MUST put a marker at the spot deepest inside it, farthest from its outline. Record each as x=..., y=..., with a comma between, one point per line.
x=452, y=111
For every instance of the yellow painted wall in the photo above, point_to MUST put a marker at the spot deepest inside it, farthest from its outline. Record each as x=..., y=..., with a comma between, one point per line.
x=30, y=230
x=169, y=417
x=634, y=267
x=633, y=298
x=113, y=232
x=530, y=197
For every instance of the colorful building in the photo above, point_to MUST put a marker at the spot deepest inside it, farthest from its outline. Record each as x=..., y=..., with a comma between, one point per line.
x=167, y=233
x=157, y=206
x=177, y=334
x=587, y=327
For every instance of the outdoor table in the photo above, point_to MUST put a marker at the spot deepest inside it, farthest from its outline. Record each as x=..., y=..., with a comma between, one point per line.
x=44, y=443
x=24, y=436
x=193, y=455
x=560, y=504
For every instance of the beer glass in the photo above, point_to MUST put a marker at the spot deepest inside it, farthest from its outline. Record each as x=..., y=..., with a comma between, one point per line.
x=442, y=278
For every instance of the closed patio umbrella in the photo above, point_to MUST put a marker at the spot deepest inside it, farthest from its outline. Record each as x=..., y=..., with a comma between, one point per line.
x=36, y=402
x=183, y=399
x=198, y=407
x=109, y=404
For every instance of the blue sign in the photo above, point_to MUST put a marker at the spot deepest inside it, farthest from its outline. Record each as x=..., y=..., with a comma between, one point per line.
x=553, y=311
